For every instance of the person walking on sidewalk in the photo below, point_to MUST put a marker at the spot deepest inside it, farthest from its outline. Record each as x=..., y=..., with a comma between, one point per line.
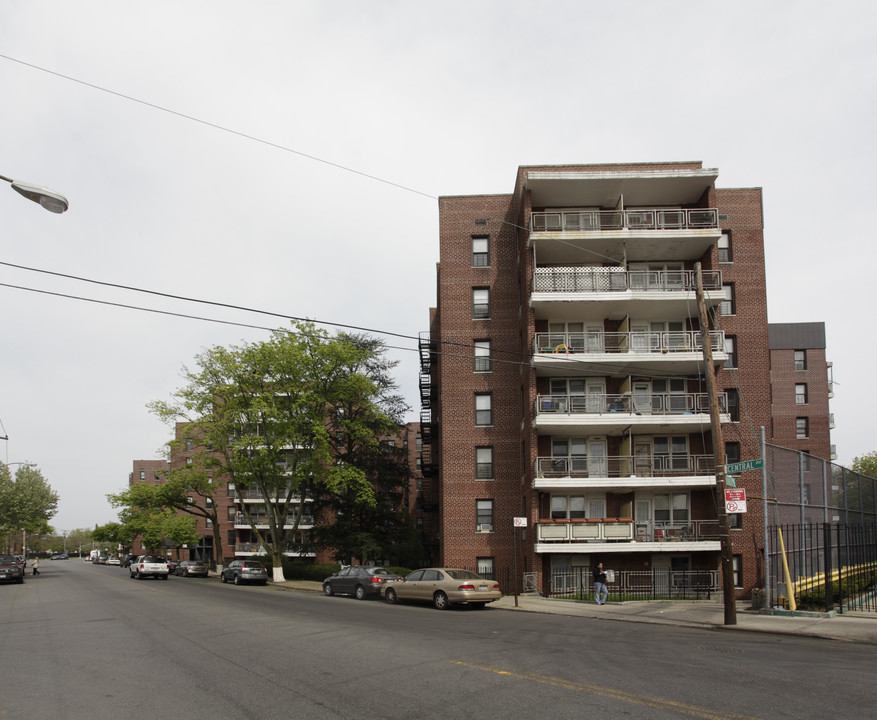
x=601, y=592
x=35, y=566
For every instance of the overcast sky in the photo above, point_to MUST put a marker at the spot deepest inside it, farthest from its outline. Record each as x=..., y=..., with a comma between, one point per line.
x=207, y=151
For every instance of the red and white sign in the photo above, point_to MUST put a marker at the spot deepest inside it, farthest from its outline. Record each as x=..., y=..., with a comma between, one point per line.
x=735, y=500
x=520, y=522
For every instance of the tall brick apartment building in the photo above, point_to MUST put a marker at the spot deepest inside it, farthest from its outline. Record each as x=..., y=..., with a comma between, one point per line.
x=562, y=376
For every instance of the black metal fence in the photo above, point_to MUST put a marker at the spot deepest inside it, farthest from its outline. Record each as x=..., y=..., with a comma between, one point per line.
x=831, y=565
x=655, y=584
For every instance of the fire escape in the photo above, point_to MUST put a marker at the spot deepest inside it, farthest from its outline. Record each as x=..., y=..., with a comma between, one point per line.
x=428, y=396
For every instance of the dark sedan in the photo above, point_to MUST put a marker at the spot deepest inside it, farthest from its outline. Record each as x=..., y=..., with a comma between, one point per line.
x=10, y=569
x=360, y=581
x=245, y=571
x=191, y=568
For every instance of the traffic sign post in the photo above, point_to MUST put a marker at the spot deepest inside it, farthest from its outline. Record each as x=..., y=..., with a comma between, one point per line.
x=735, y=500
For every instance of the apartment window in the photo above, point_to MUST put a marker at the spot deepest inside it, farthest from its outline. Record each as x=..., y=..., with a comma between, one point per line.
x=671, y=508
x=737, y=566
x=733, y=396
x=671, y=453
x=484, y=515
x=418, y=484
x=805, y=461
x=418, y=463
x=208, y=524
x=484, y=463
x=483, y=409
x=231, y=513
x=480, y=251
x=802, y=428
x=143, y=474
x=189, y=444
x=485, y=567
x=231, y=493
x=729, y=307
x=732, y=452
x=208, y=503
x=725, y=255
x=231, y=538
x=188, y=461
x=480, y=303
x=483, y=361
x=568, y=507
x=735, y=521
x=418, y=443
x=731, y=351
x=800, y=359
x=800, y=393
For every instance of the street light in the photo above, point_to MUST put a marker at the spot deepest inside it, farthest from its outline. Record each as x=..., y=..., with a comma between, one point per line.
x=49, y=199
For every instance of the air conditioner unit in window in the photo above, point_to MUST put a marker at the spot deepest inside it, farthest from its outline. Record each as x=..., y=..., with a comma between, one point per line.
x=487, y=527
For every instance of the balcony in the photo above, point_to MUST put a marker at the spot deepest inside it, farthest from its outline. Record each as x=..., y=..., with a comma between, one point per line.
x=253, y=494
x=624, y=235
x=261, y=521
x=627, y=353
x=624, y=471
x=625, y=535
x=249, y=549
x=614, y=292
x=646, y=412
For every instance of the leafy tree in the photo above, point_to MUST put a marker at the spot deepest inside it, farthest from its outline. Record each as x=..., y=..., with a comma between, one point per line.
x=260, y=410
x=866, y=464
x=27, y=502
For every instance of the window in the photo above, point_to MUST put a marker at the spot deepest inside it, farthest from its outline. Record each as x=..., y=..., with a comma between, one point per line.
x=482, y=356
x=732, y=452
x=725, y=254
x=480, y=251
x=737, y=566
x=801, y=393
x=671, y=508
x=143, y=474
x=733, y=396
x=208, y=524
x=231, y=492
x=802, y=428
x=484, y=515
x=671, y=453
x=208, y=502
x=480, y=303
x=800, y=359
x=189, y=444
x=731, y=351
x=484, y=566
x=735, y=521
x=483, y=409
x=484, y=463
x=230, y=538
x=418, y=443
x=231, y=513
x=729, y=307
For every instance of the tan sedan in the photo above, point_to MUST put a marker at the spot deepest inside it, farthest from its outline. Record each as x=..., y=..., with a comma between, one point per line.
x=444, y=587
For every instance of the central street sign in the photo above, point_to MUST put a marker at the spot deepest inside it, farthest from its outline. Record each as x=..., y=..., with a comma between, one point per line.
x=739, y=467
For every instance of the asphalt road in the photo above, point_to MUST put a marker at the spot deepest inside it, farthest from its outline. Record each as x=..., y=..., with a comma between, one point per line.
x=86, y=641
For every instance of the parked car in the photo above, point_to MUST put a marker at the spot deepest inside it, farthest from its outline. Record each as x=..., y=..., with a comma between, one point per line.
x=149, y=566
x=171, y=565
x=359, y=580
x=10, y=569
x=59, y=556
x=191, y=568
x=128, y=559
x=444, y=587
x=244, y=571
x=113, y=560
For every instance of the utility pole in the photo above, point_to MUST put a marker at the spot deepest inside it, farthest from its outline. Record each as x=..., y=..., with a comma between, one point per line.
x=728, y=591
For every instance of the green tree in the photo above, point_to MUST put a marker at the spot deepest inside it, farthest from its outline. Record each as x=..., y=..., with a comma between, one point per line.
x=866, y=464
x=27, y=501
x=260, y=410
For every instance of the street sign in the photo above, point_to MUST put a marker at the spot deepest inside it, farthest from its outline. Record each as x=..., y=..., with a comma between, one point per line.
x=520, y=522
x=730, y=481
x=735, y=500
x=739, y=467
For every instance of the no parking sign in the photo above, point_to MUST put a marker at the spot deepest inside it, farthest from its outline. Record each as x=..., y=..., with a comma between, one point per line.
x=735, y=500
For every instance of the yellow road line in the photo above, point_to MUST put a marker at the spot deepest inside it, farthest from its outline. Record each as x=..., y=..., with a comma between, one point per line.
x=622, y=695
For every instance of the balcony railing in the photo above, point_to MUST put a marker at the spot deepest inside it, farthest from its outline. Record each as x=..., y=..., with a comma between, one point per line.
x=241, y=519
x=650, y=219
x=620, y=529
x=590, y=279
x=644, y=404
x=625, y=466
x=629, y=342
x=256, y=494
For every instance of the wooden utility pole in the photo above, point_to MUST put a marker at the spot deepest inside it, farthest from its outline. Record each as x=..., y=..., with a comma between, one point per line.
x=728, y=591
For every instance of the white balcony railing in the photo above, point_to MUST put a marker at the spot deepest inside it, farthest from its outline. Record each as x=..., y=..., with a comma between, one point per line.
x=645, y=404
x=615, y=529
x=644, y=219
x=625, y=466
x=592, y=279
x=241, y=519
x=628, y=342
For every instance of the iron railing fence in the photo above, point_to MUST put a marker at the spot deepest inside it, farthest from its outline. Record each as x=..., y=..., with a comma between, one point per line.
x=614, y=466
x=655, y=584
x=640, y=341
x=831, y=565
x=641, y=219
x=574, y=278
x=646, y=403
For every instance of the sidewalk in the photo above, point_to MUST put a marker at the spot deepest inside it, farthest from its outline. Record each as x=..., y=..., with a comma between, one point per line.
x=850, y=627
